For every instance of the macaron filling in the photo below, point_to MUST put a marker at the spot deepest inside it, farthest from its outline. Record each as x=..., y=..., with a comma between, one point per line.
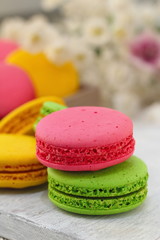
x=82, y=156
x=109, y=203
x=22, y=119
x=30, y=175
x=20, y=168
x=23, y=179
x=50, y=107
x=19, y=120
x=94, y=192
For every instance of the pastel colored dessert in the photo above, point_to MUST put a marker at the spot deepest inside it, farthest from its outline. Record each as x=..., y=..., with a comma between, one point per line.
x=19, y=167
x=15, y=88
x=46, y=109
x=21, y=120
x=47, y=78
x=84, y=139
x=6, y=47
x=108, y=191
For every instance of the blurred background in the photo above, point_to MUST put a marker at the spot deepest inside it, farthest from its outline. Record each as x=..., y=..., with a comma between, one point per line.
x=113, y=44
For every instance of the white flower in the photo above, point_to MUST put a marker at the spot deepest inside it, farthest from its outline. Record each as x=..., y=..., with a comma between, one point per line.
x=82, y=56
x=149, y=17
x=50, y=4
x=118, y=86
x=96, y=31
x=127, y=102
x=108, y=54
x=12, y=28
x=150, y=114
x=58, y=52
x=72, y=26
x=118, y=75
x=33, y=40
x=37, y=36
x=38, y=19
x=119, y=33
x=122, y=28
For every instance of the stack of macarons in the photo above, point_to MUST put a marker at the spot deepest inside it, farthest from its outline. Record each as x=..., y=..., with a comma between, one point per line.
x=89, y=155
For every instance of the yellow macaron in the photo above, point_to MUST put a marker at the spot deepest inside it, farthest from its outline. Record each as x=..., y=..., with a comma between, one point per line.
x=48, y=78
x=21, y=120
x=19, y=167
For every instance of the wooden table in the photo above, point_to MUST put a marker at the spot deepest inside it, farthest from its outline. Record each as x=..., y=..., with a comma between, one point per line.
x=29, y=215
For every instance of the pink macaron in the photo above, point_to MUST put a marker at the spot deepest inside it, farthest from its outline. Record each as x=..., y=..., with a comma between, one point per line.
x=6, y=47
x=15, y=88
x=84, y=139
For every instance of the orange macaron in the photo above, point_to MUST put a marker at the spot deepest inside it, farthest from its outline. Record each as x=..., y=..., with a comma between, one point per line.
x=21, y=120
x=19, y=167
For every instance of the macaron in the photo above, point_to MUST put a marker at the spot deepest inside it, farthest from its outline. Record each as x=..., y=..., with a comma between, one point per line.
x=48, y=78
x=84, y=139
x=48, y=108
x=108, y=191
x=6, y=47
x=21, y=120
x=19, y=167
x=15, y=88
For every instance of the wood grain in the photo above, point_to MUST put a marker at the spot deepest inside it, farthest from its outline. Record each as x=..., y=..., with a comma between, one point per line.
x=29, y=215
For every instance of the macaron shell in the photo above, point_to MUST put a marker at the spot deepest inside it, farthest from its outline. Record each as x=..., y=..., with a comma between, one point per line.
x=6, y=47
x=21, y=120
x=47, y=78
x=123, y=178
x=19, y=167
x=86, y=167
x=15, y=88
x=134, y=200
x=82, y=127
x=109, y=191
x=24, y=179
x=17, y=153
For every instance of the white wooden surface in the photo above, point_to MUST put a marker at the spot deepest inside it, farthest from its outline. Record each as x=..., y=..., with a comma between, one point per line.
x=29, y=215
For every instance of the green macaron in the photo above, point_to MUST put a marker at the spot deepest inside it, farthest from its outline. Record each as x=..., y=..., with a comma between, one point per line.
x=48, y=108
x=116, y=189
